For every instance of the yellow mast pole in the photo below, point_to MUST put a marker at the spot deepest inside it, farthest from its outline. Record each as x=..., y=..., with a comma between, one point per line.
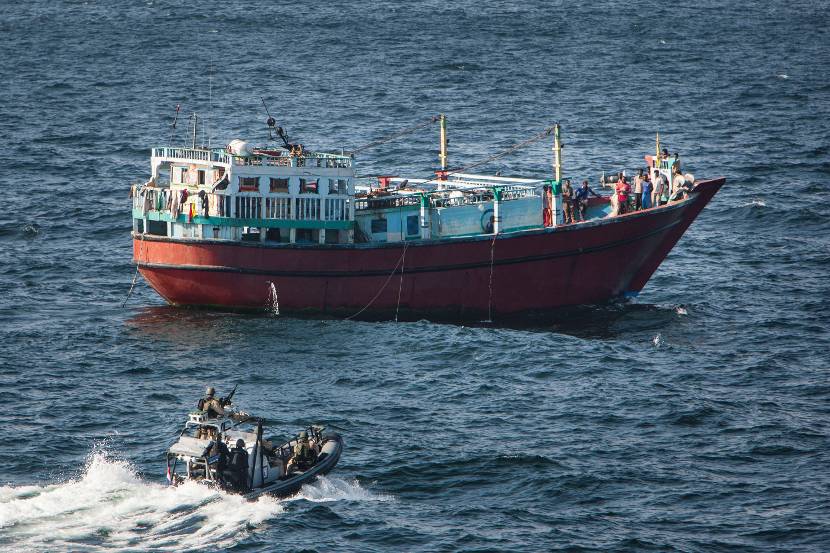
x=443, y=155
x=557, y=153
x=657, y=151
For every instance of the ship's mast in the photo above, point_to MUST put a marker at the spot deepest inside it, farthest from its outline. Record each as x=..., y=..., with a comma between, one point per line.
x=557, y=153
x=443, y=155
x=657, y=151
x=195, y=123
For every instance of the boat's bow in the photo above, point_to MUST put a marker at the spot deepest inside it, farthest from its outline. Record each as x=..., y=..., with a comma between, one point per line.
x=701, y=194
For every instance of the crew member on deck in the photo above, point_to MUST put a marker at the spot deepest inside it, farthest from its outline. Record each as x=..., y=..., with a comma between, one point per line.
x=236, y=475
x=623, y=189
x=221, y=450
x=210, y=404
x=304, y=457
x=581, y=198
x=638, y=190
x=567, y=202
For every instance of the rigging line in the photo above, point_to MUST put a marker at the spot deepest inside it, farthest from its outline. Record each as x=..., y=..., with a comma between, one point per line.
x=400, y=283
x=382, y=288
x=398, y=134
x=547, y=132
x=535, y=138
x=135, y=276
x=490, y=285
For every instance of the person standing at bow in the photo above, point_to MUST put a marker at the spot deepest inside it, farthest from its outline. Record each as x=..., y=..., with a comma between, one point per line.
x=567, y=202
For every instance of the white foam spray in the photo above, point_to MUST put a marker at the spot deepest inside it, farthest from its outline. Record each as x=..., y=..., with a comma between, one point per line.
x=273, y=299
x=110, y=508
x=326, y=489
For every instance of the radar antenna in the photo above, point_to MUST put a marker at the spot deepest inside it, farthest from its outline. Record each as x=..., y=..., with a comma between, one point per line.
x=272, y=126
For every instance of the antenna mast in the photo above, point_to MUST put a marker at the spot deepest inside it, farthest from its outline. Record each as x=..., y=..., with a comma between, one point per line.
x=272, y=125
x=175, y=120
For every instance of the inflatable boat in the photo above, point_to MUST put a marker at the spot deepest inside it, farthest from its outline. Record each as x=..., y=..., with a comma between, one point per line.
x=230, y=453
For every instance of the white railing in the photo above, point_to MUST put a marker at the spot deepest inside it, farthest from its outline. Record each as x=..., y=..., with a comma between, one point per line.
x=258, y=161
x=195, y=154
x=278, y=208
x=336, y=209
x=517, y=191
x=284, y=207
x=248, y=207
x=298, y=161
x=308, y=209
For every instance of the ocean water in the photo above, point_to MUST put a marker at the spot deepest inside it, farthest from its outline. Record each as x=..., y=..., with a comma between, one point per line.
x=693, y=418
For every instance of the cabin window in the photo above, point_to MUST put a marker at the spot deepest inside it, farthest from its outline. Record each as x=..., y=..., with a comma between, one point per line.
x=200, y=177
x=308, y=186
x=183, y=175
x=272, y=234
x=332, y=236
x=157, y=228
x=338, y=186
x=248, y=184
x=378, y=226
x=412, y=225
x=279, y=186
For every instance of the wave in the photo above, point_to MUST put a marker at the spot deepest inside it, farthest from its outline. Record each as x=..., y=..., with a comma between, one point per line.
x=326, y=489
x=756, y=202
x=109, y=507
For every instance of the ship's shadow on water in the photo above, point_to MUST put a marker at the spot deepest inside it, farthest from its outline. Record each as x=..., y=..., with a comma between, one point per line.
x=607, y=321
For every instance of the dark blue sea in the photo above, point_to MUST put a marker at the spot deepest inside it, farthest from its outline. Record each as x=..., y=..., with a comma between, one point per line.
x=695, y=417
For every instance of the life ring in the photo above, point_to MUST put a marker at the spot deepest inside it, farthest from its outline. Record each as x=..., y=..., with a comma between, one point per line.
x=488, y=219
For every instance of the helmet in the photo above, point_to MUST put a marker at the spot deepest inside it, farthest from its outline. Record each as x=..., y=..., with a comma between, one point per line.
x=303, y=435
x=210, y=391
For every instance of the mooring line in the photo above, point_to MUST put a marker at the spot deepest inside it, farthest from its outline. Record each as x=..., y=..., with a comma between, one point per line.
x=382, y=288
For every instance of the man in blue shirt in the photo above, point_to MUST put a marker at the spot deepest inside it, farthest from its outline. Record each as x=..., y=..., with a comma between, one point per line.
x=581, y=198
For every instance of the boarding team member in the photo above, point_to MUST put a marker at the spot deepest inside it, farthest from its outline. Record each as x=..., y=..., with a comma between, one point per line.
x=210, y=404
x=304, y=457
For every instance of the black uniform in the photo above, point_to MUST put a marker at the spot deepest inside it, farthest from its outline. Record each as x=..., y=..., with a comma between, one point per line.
x=219, y=448
x=236, y=475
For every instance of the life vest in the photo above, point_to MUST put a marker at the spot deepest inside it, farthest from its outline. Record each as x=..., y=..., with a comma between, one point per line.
x=239, y=460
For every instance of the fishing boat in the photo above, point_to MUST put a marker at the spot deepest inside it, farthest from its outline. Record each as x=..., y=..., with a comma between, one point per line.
x=196, y=456
x=282, y=227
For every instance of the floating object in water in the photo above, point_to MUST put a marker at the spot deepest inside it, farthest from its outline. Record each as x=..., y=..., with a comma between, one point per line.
x=681, y=310
x=657, y=340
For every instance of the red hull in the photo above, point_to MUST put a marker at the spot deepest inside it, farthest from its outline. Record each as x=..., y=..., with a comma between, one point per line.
x=533, y=271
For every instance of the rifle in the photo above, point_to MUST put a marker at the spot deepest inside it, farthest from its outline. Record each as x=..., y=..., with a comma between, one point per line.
x=225, y=401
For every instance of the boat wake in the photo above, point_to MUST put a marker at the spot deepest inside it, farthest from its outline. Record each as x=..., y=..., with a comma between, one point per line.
x=326, y=489
x=109, y=507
